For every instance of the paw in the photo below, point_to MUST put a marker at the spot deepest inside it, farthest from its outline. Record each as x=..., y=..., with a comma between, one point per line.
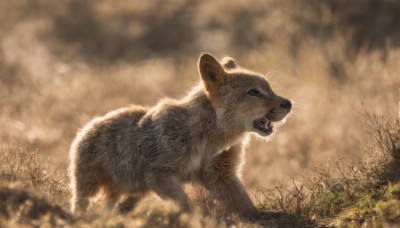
x=128, y=205
x=124, y=208
x=260, y=215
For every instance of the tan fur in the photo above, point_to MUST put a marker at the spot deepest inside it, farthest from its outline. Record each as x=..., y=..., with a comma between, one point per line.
x=199, y=138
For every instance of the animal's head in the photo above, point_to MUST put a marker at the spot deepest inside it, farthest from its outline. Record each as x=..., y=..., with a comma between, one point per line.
x=244, y=100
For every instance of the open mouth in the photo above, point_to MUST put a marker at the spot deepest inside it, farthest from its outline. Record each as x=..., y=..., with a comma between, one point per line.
x=264, y=125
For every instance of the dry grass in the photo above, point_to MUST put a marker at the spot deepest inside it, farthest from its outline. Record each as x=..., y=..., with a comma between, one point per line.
x=63, y=63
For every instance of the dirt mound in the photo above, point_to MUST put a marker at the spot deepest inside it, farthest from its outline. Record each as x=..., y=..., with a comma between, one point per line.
x=20, y=207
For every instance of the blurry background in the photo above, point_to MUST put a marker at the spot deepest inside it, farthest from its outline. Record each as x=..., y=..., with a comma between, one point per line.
x=63, y=62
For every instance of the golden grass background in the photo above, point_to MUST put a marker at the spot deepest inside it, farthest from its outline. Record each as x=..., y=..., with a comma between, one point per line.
x=64, y=62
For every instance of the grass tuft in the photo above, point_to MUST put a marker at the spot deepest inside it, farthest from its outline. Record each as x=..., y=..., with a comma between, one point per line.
x=358, y=193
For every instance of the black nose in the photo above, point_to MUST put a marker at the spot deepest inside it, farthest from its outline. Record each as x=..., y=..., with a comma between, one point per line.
x=286, y=104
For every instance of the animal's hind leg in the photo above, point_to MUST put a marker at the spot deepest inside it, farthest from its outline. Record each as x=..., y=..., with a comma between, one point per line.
x=82, y=190
x=79, y=204
x=112, y=197
x=167, y=186
x=129, y=204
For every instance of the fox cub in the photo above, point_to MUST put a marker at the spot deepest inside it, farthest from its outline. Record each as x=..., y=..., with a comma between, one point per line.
x=200, y=138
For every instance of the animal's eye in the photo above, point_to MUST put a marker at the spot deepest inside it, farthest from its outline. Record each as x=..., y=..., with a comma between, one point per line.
x=254, y=93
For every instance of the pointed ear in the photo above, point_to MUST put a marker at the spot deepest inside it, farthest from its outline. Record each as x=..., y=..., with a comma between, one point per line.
x=211, y=72
x=228, y=63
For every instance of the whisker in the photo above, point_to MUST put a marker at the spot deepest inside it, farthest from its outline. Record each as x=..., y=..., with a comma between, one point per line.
x=297, y=105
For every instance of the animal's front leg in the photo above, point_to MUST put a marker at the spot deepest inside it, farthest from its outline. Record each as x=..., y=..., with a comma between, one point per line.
x=220, y=178
x=232, y=194
x=168, y=186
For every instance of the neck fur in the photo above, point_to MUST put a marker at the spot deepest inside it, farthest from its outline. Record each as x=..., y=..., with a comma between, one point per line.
x=210, y=122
